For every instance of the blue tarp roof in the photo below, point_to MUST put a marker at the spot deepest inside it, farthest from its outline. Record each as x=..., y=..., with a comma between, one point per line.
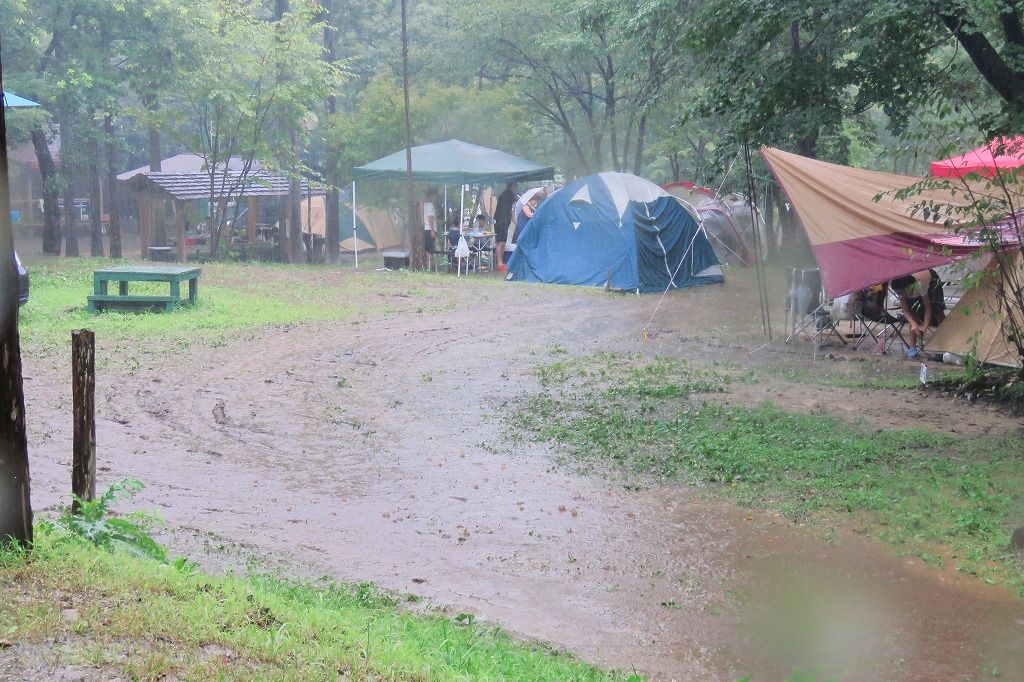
x=12, y=100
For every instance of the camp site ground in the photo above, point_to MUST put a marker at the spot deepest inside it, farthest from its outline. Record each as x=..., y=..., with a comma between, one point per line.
x=397, y=427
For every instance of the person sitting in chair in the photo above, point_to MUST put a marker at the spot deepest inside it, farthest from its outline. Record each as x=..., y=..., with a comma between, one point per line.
x=454, y=233
x=923, y=303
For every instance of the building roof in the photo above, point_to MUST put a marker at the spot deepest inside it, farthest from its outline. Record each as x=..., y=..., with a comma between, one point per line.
x=187, y=163
x=184, y=186
x=25, y=153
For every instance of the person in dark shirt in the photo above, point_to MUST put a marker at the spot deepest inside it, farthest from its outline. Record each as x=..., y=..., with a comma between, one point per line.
x=923, y=303
x=502, y=219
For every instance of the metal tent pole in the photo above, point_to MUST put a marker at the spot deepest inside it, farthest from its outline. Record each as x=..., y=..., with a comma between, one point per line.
x=355, y=238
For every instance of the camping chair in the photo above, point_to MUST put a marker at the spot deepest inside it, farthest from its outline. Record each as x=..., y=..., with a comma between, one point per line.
x=437, y=259
x=875, y=321
x=808, y=310
x=451, y=238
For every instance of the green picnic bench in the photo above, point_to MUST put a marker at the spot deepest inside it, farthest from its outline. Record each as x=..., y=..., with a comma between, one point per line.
x=101, y=299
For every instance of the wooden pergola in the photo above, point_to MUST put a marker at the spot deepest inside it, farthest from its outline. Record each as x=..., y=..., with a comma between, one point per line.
x=153, y=187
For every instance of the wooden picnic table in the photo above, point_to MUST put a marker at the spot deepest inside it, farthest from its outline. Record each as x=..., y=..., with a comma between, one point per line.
x=174, y=275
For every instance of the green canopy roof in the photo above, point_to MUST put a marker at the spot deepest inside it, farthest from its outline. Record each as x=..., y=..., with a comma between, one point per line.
x=455, y=162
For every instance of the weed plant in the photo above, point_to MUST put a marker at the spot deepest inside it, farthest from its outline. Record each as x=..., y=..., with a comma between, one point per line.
x=934, y=494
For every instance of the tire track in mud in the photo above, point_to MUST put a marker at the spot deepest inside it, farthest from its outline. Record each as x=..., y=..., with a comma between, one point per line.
x=376, y=451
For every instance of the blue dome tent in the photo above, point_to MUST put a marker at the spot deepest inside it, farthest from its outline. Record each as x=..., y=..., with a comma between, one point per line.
x=615, y=230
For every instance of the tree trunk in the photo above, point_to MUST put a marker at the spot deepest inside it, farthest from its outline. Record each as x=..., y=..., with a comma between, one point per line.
x=158, y=236
x=295, y=220
x=95, y=201
x=70, y=237
x=51, y=211
x=15, y=497
x=332, y=230
x=609, y=110
x=786, y=223
x=67, y=167
x=283, y=216
x=112, y=188
x=641, y=136
x=413, y=232
x=770, y=226
x=1002, y=75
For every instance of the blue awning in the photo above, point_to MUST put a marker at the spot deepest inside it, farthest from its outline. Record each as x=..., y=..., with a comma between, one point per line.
x=12, y=100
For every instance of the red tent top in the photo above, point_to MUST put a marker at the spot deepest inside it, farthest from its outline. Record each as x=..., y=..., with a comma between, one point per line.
x=1002, y=153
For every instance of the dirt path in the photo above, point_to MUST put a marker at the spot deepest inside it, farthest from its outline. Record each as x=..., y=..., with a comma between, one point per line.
x=376, y=451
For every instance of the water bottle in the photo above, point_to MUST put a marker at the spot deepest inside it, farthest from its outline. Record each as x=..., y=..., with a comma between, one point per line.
x=923, y=374
x=952, y=359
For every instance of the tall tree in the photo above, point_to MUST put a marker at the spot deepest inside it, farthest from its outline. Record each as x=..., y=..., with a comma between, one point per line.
x=332, y=229
x=234, y=103
x=15, y=488
x=790, y=72
x=113, y=186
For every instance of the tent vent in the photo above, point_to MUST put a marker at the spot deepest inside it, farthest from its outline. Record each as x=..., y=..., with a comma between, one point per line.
x=582, y=196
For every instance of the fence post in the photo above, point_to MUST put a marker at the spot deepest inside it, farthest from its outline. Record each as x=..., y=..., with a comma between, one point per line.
x=83, y=390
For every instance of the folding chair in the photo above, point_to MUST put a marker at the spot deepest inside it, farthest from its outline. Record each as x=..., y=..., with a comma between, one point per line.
x=809, y=312
x=434, y=260
x=875, y=321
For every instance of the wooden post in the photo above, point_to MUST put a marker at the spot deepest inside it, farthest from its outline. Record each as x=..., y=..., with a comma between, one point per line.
x=179, y=228
x=253, y=207
x=83, y=394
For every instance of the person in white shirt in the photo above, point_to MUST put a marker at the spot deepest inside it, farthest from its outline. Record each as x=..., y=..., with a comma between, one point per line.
x=430, y=204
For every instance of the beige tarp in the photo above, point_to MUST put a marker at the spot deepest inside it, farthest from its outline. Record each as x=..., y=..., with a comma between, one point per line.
x=379, y=222
x=857, y=241
x=383, y=225
x=977, y=322
x=837, y=203
x=314, y=220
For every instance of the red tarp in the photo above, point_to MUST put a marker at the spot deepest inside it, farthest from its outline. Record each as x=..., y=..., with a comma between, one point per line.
x=1003, y=153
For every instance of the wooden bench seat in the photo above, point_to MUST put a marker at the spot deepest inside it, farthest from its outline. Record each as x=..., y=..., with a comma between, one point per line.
x=132, y=303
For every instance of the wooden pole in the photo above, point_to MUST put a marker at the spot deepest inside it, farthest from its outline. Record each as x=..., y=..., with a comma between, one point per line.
x=15, y=497
x=83, y=395
x=179, y=228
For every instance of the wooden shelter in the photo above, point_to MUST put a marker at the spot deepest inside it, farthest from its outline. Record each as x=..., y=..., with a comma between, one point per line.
x=153, y=187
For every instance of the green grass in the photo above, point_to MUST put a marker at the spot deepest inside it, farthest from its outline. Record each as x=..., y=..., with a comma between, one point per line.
x=233, y=298
x=840, y=379
x=934, y=494
x=141, y=619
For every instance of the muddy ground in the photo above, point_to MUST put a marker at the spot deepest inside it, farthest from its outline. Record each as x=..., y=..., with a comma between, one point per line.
x=377, y=450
